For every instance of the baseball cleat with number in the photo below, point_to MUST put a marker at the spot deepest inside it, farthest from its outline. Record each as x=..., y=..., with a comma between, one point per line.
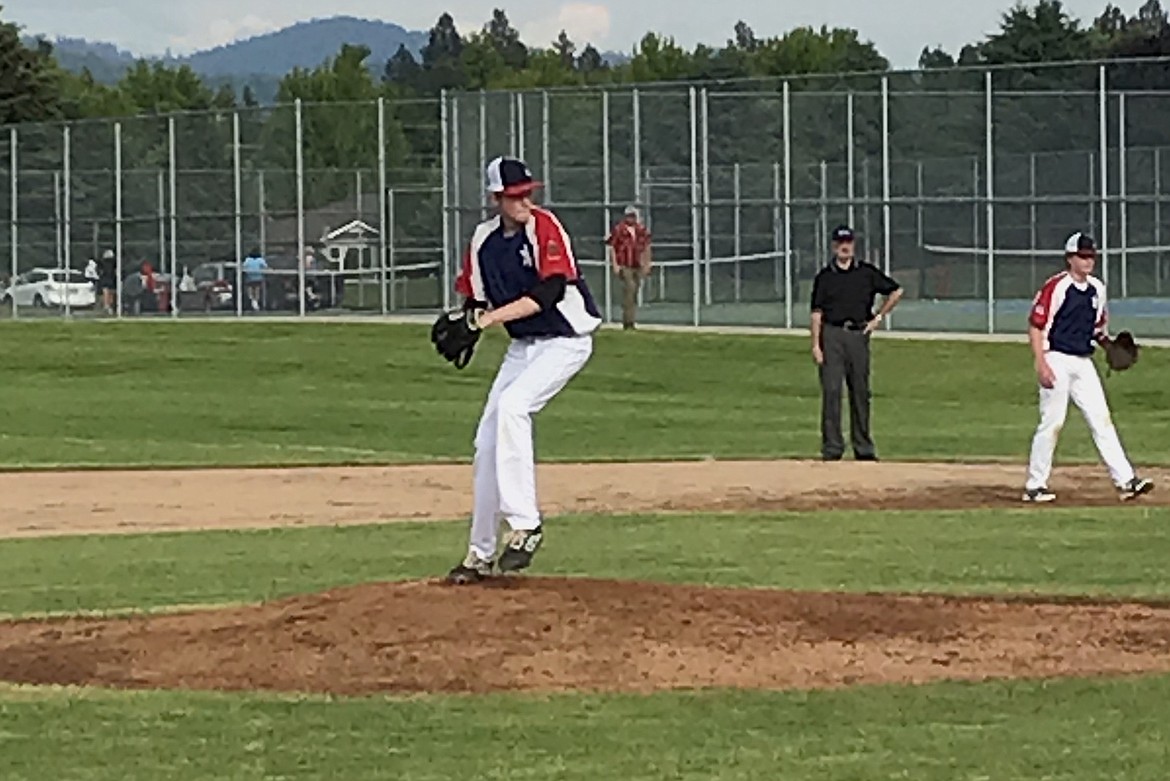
x=520, y=547
x=1039, y=495
x=473, y=569
x=1135, y=488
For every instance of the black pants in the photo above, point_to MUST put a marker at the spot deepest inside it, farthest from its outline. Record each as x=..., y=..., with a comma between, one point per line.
x=846, y=360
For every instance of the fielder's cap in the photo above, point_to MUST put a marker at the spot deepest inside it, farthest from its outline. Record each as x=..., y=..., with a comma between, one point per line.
x=842, y=233
x=632, y=209
x=509, y=176
x=1081, y=244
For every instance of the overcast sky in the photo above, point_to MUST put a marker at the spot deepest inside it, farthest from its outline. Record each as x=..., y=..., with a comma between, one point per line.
x=899, y=27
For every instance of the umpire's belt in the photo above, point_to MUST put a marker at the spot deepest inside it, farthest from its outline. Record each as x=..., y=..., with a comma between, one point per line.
x=849, y=325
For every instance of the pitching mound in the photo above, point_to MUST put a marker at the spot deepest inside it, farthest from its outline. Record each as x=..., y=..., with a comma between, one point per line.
x=551, y=634
x=47, y=503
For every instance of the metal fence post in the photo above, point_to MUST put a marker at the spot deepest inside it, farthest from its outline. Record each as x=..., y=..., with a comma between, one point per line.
x=383, y=239
x=300, y=175
x=637, y=141
x=545, y=121
x=521, y=127
x=706, y=191
x=850, y=174
x=1158, y=220
x=886, y=227
x=238, y=198
x=445, y=129
x=607, y=197
x=787, y=206
x=118, y=218
x=696, y=248
x=989, y=130
x=737, y=220
x=14, y=211
x=1032, y=217
x=174, y=217
x=777, y=230
x=1122, y=191
x=483, y=159
x=1103, y=119
x=67, y=206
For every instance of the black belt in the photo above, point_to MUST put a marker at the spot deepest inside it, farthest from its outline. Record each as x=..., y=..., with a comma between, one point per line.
x=849, y=325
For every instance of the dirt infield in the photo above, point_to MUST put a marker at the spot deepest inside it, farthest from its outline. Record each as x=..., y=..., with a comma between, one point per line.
x=50, y=503
x=532, y=633
x=543, y=634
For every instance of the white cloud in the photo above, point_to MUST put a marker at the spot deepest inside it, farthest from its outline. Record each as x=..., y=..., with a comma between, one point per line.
x=582, y=22
x=221, y=30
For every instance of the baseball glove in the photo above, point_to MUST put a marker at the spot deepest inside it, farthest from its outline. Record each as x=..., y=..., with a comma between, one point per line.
x=455, y=334
x=1121, y=351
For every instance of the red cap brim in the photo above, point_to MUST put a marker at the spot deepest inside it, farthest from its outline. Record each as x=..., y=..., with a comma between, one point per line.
x=518, y=190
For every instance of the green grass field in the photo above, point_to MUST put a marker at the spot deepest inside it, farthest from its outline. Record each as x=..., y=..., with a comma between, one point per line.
x=203, y=394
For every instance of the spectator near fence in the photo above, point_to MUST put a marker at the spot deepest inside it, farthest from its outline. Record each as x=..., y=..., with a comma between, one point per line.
x=253, y=268
x=630, y=254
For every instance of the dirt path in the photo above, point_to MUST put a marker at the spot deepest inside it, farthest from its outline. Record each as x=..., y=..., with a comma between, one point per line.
x=54, y=503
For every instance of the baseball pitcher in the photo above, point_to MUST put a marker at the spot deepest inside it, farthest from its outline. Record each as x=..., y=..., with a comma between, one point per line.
x=1068, y=316
x=519, y=273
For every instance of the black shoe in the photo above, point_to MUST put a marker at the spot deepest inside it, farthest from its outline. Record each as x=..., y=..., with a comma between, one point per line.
x=521, y=546
x=1039, y=496
x=866, y=457
x=473, y=569
x=831, y=457
x=1135, y=488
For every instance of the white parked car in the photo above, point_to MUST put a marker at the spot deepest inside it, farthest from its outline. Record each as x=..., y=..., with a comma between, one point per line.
x=51, y=287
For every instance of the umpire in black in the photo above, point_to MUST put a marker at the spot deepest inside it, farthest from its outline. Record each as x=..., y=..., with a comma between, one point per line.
x=842, y=320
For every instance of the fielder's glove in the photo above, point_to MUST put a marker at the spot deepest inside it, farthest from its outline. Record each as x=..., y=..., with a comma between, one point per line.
x=1121, y=351
x=455, y=334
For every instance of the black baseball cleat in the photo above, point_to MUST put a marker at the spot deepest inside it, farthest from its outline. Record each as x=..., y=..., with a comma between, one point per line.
x=1135, y=488
x=520, y=547
x=472, y=569
x=1039, y=495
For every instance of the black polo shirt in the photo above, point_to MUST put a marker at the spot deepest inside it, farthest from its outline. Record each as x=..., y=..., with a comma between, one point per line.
x=847, y=294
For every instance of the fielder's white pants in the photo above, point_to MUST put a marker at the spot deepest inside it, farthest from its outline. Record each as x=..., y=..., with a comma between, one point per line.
x=1076, y=379
x=532, y=373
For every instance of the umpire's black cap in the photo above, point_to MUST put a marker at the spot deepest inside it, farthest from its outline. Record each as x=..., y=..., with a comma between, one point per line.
x=842, y=233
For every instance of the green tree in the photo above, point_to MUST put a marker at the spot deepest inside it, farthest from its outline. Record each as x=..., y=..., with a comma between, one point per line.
x=442, y=58
x=505, y=39
x=339, y=122
x=29, y=80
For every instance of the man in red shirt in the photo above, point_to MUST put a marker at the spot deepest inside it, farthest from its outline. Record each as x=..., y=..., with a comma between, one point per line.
x=629, y=248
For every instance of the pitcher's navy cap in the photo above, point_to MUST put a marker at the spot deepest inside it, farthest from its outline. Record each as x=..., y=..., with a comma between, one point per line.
x=842, y=233
x=509, y=176
x=1081, y=244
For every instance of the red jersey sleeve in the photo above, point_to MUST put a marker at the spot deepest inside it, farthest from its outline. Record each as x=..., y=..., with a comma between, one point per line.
x=1041, y=313
x=556, y=255
x=463, y=281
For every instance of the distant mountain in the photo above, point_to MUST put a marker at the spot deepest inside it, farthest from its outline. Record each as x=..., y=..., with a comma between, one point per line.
x=305, y=45
x=260, y=62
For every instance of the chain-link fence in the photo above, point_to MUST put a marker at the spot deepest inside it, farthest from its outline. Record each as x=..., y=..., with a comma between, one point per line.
x=962, y=183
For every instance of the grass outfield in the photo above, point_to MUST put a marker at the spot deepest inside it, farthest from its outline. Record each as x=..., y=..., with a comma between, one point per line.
x=1058, y=730
x=97, y=394
x=105, y=394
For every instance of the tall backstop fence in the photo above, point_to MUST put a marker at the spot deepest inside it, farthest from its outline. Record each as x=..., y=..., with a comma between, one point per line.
x=963, y=184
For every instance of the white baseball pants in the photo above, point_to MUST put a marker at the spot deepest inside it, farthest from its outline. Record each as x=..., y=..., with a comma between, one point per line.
x=1076, y=378
x=532, y=373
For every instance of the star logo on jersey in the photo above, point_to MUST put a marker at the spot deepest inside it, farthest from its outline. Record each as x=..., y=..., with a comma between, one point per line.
x=526, y=257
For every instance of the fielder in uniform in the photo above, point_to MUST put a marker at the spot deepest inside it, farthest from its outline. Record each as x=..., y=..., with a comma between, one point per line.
x=1068, y=316
x=519, y=273
x=842, y=320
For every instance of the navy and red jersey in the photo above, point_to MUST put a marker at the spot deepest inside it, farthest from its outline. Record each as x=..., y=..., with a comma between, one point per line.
x=499, y=269
x=1071, y=314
